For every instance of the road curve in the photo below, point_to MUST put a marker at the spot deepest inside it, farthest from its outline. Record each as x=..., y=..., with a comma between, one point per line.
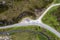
x=48, y=10
x=36, y=22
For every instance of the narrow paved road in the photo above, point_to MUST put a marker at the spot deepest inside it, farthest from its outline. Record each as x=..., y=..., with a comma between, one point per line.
x=48, y=10
x=36, y=22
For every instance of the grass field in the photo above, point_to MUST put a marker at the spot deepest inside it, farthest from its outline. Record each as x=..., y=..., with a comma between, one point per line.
x=33, y=34
x=56, y=1
x=52, y=18
x=14, y=10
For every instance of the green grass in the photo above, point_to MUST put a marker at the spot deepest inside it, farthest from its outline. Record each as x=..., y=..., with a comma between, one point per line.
x=56, y=1
x=23, y=36
x=29, y=35
x=51, y=20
